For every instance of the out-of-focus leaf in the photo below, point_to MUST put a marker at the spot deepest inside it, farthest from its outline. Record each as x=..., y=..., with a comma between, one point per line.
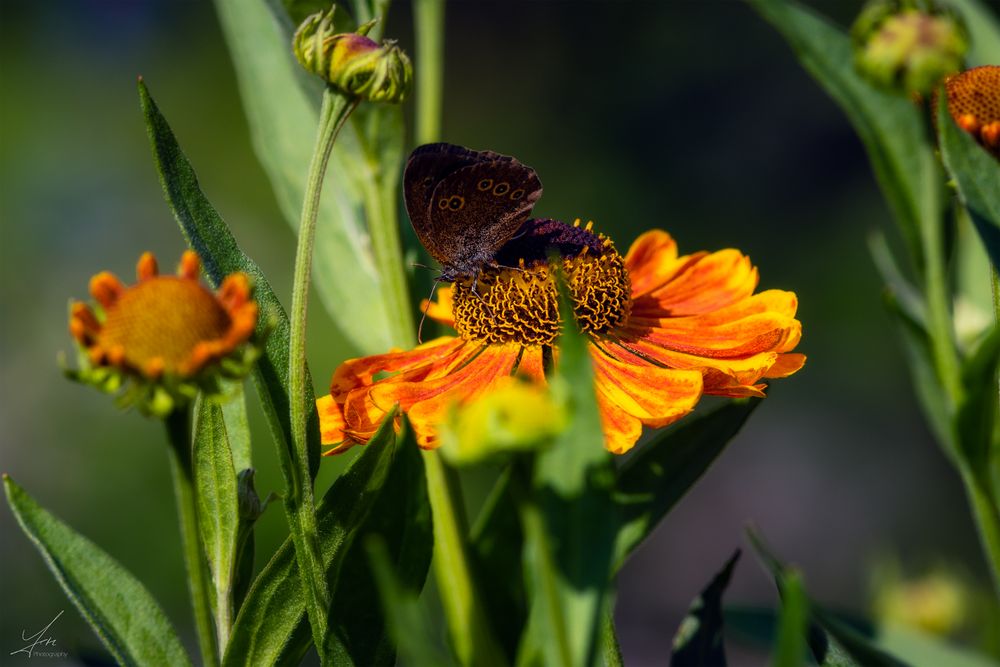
x=907, y=296
x=401, y=520
x=210, y=237
x=921, y=650
x=496, y=544
x=890, y=127
x=215, y=492
x=275, y=606
x=406, y=618
x=984, y=31
x=571, y=519
x=793, y=622
x=831, y=641
x=282, y=107
x=117, y=606
x=976, y=174
x=929, y=391
x=977, y=413
x=652, y=481
x=698, y=640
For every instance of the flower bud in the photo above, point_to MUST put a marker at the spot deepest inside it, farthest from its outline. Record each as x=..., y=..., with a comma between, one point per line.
x=351, y=62
x=905, y=49
x=936, y=603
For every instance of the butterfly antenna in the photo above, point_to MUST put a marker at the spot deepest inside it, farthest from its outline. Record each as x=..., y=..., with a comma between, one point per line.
x=423, y=316
x=421, y=266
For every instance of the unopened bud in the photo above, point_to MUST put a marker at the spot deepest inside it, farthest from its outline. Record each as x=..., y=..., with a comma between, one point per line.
x=351, y=62
x=905, y=49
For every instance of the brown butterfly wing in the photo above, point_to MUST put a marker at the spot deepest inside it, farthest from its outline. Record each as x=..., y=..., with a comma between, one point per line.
x=476, y=209
x=465, y=234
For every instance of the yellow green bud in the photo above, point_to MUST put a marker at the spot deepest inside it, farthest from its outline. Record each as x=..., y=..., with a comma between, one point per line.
x=351, y=62
x=936, y=603
x=906, y=49
x=514, y=416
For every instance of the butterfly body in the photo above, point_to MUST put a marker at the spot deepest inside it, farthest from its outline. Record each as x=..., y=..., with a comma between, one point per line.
x=464, y=205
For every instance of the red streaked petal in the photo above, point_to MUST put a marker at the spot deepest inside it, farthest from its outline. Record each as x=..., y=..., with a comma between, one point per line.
x=712, y=282
x=532, y=364
x=440, y=309
x=621, y=429
x=360, y=372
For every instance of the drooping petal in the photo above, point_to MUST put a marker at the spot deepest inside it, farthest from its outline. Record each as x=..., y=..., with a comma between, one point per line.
x=786, y=364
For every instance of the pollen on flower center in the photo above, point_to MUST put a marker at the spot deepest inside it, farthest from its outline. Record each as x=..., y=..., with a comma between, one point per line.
x=519, y=301
x=163, y=317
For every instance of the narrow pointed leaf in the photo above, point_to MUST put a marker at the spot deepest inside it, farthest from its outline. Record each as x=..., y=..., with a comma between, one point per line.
x=282, y=107
x=976, y=174
x=698, y=640
x=211, y=238
x=117, y=606
x=793, y=623
x=890, y=126
x=234, y=412
x=218, y=505
x=274, y=607
x=831, y=641
x=659, y=475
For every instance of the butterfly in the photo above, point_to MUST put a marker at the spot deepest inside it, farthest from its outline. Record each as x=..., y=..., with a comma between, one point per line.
x=464, y=205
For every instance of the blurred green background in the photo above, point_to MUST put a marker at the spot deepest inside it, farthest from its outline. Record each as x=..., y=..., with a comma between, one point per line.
x=690, y=116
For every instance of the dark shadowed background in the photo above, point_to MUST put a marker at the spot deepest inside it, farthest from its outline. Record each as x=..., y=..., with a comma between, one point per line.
x=690, y=116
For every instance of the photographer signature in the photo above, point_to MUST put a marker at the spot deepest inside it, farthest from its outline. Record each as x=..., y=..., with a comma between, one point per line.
x=37, y=639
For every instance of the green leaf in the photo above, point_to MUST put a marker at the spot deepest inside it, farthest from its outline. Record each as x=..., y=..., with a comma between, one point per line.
x=831, y=641
x=234, y=412
x=570, y=519
x=652, y=481
x=282, y=107
x=976, y=174
x=890, y=127
x=793, y=622
x=218, y=506
x=698, y=640
x=977, y=413
x=984, y=31
x=400, y=519
x=921, y=650
x=210, y=237
x=121, y=611
x=404, y=613
x=275, y=607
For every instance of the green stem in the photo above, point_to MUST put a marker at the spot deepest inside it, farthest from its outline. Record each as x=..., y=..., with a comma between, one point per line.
x=939, y=321
x=609, y=642
x=470, y=635
x=178, y=425
x=383, y=224
x=299, y=502
x=429, y=21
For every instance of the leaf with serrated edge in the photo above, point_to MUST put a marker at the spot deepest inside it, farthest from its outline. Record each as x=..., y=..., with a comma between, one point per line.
x=117, y=606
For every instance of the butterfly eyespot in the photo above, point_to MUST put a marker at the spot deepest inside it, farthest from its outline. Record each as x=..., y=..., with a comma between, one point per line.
x=501, y=189
x=443, y=203
x=485, y=184
x=456, y=203
x=517, y=194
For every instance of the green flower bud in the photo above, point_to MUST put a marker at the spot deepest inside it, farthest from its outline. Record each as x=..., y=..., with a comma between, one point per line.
x=901, y=48
x=351, y=62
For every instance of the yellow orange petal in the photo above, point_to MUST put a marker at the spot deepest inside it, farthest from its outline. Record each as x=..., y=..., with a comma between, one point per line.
x=621, y=430
x=361, y=372
x=146, y=267
x=652, y=260
x=713, y=281
x=532, y=364
x=786, y=364
x=440, y=309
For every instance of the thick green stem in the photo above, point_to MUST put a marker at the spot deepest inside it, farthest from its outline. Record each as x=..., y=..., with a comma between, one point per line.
x=178, y=425
x=429, y=20
x=383, y=225
x=299, y=502
x=987, y=515
x=470, y=635
x=939, y=321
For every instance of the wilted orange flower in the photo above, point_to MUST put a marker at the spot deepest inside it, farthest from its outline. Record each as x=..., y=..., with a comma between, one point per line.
x=974, y=103
x=163, y=330
x=664, y=329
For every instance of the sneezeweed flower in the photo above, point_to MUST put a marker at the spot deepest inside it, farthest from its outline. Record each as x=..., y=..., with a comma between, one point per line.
x=165, y=338
x=663, y=328
x=899, y=47
x=974, y=103
x=351, y=62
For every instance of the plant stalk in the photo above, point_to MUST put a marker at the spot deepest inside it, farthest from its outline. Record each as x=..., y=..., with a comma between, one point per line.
x=941, y=328
x=178, y=425
x=987, y=515
x=470, y=635
x=299, y=502
x=429, y=23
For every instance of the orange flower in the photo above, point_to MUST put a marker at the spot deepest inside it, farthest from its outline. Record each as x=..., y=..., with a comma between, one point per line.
x=974, y=103
x=664, y=330
x=166, y=333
